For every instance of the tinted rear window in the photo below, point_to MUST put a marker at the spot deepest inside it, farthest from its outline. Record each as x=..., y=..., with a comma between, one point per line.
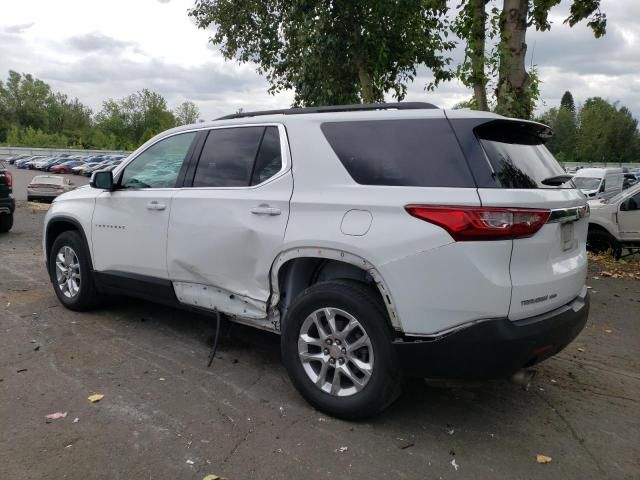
x=227, y=157
x=413, y=153
x=517, y=154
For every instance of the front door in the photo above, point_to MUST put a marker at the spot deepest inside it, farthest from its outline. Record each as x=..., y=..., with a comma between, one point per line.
x=129, y=233
x=227, y=226
x=629, y=218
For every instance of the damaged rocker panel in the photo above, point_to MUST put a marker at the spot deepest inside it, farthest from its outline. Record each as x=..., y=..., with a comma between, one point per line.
x=244, y=309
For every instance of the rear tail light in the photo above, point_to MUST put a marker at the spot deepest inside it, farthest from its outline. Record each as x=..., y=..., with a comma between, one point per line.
x=482, y=223
x=8, y=179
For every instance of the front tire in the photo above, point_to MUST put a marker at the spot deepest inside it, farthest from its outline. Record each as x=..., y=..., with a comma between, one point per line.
x=70, y=272
x=599, y=241
x=6, y=222
x=337, y=348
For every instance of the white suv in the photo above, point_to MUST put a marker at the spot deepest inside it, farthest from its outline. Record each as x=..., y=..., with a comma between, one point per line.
x=380, y=241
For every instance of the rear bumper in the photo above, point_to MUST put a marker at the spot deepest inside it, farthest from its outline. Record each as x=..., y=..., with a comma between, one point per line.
x=46, y=195
x=7, y=205
x=494, y=348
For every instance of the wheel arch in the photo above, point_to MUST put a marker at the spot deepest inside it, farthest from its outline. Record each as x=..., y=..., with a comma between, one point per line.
x=595, y=226
x=296, y=269
x=61, y=224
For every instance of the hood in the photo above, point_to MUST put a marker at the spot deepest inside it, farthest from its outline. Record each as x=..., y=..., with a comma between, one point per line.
x=85, y=191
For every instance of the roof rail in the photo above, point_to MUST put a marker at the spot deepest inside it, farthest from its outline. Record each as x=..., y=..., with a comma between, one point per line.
x=335, y=108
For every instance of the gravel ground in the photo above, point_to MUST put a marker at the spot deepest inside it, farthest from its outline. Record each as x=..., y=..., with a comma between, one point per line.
x=164, y=415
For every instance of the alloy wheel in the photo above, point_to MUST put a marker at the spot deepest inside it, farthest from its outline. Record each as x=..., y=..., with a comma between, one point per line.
x=336, y=352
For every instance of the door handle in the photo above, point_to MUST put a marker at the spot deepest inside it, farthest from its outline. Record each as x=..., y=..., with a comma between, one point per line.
x=154, y=205
x=265, y=209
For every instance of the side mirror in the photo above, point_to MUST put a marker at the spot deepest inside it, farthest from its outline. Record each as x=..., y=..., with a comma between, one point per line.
x=102, y=179
x=602, y=188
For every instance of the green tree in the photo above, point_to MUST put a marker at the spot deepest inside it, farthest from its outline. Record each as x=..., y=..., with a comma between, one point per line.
x=607, y=133
x=135, y=118
x=186, y=113
x=332, y=51
x=516, y=89
x=567, y=102
x=565, y=132
x=29, y=102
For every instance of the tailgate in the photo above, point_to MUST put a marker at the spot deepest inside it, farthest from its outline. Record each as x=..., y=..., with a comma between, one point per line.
x=549, y=269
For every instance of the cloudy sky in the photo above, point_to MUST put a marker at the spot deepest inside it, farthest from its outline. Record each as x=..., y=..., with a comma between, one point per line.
x=94, y=50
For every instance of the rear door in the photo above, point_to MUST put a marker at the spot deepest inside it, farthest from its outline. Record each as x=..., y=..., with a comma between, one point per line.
x=548, y=269
x=228, y=221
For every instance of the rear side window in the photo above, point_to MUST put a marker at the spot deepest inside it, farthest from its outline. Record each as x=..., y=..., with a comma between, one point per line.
x=517, y=154
x=238, y=157
x=412, y=153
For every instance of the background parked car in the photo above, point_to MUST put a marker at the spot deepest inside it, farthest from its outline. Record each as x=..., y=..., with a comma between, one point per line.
x=24, y=162
x=66, y=166
x=98, y=166
x=40, y=163
x=48, y=187
x=13, y=160
x=630, y=180
x=53, y=162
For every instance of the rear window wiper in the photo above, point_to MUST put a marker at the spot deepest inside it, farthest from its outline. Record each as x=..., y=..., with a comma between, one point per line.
x=556, y=180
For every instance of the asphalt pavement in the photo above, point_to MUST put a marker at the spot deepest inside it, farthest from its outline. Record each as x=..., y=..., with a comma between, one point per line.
x=165, y=415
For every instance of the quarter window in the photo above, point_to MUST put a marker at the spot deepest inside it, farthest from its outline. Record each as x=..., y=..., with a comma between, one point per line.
x=158, y=166
x=412, y=153
x=269, y=160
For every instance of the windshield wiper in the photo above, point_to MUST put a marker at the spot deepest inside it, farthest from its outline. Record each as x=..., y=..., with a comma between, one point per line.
x=557, y=180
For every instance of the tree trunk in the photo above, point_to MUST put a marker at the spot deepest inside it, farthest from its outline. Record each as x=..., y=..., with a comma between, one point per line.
x=367, y=93
x=512, y=92
x=477, y=41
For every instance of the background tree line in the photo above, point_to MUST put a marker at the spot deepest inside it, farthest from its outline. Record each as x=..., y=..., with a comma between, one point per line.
x=598, y=131
x=32, y=114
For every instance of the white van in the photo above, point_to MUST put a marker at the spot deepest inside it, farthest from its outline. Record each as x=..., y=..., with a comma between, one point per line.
x=599, y=182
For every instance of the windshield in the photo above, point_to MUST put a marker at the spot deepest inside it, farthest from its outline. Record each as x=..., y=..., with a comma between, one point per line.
x=587, y=183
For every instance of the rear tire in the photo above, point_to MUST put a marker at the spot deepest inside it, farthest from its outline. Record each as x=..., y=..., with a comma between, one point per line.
x=6, y=222
x=70, y=272
x=369, y=377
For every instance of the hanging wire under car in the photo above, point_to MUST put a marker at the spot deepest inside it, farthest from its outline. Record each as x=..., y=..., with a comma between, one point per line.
x=215, y=339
